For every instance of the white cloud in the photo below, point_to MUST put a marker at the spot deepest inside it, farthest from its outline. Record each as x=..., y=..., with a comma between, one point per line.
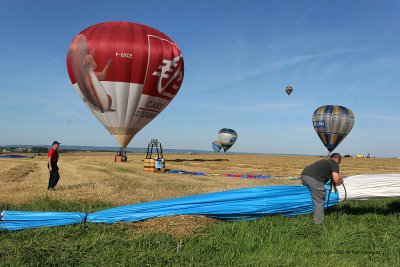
x=381, y=118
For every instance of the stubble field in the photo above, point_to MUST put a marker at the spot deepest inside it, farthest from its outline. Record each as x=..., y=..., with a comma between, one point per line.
x=96, y=177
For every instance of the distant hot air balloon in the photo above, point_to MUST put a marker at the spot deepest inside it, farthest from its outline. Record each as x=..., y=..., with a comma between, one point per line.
x=126, y=74
x=288, y=90
x=332, y=124
x=227, y=137
x=216, y=145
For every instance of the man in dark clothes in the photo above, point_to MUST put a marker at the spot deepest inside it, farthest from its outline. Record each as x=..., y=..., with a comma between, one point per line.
x=52, y=165
x=315, y=176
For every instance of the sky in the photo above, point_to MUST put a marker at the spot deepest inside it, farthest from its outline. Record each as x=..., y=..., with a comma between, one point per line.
x=239, y=57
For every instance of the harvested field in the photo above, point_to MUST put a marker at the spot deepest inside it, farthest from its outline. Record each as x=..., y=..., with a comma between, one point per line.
x=93, y=177
x=96, y=177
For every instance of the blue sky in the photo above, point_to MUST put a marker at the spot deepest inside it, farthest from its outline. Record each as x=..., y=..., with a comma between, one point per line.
x=239, y=56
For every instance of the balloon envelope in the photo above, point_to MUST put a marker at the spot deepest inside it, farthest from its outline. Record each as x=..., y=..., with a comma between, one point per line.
x=288, y=90
x=216, y=145
x=332, y=124
x=126, y=74
x=227, y=137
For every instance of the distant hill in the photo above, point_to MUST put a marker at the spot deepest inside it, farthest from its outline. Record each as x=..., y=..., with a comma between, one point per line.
x=105, y=148
x=142, y=150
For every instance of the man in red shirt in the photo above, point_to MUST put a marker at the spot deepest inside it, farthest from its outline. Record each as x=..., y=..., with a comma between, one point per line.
x=52, y=165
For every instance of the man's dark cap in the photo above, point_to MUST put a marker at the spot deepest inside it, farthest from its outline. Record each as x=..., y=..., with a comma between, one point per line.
x=56, y=143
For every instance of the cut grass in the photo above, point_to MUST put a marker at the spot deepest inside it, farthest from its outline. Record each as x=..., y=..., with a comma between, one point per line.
x=363, y=233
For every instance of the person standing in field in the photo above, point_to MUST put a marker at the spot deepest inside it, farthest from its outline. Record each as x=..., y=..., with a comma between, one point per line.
x=52, y=161
x=315, y=176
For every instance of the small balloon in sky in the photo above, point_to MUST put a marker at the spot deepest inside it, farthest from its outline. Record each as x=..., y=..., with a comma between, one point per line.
x=288, y=90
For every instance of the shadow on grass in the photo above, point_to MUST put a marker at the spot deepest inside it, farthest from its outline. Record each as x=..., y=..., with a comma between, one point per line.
x=388, y=209
x=197, y=160
x=48, y=204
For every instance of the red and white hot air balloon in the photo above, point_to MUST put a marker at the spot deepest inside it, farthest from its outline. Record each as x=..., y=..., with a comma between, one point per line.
x=126, y=73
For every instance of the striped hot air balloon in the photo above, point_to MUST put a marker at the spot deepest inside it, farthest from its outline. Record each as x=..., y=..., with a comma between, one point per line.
x=126, y=74
x=332, y=124
x=227, y=137
x=216, y=145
